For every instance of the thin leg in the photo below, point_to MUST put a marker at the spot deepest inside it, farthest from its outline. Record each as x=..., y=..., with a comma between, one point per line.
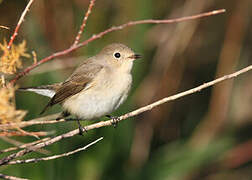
x=81, y=129
x=115, y=120
x=65, y=114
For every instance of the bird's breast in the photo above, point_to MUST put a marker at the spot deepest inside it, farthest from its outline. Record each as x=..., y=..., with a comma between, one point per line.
x=105, y=94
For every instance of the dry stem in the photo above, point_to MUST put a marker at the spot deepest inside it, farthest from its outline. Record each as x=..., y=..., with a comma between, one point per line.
x=19, y=23
x=27, y=145
x=34, y=160
x=2, y=176
x=84, y=22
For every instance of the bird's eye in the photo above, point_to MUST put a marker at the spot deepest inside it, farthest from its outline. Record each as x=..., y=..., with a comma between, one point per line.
x=117, y=55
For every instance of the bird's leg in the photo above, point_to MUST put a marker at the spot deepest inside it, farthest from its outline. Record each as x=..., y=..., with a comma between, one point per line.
x=63, y=115
x=115, y=120
x=81, y=128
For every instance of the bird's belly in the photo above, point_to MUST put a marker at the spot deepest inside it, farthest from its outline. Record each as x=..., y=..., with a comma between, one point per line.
x=94, y=103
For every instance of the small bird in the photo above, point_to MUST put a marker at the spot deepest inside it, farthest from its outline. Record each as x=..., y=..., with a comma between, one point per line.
x=96, y=88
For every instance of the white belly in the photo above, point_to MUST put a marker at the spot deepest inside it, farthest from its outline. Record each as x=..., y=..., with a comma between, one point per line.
x=99, y=100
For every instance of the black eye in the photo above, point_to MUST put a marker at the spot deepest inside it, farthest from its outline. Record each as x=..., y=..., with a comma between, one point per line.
x=117, y=55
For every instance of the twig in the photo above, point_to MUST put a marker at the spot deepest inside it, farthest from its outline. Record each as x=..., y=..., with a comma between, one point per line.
x=19, y=23
x=18, y=133
x=84, y=22
x=27, y=145
x=4, y=27
x=125, y=116
x=29, y=123
x=41, y=120
x=114, y=28
x=11, y=177
x=34, y=160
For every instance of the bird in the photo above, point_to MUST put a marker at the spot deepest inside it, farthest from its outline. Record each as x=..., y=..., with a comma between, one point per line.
x=96, y=88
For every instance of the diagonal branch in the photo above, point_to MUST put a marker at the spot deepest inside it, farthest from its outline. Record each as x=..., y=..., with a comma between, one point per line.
x=114, y=28
x=84, y=22
x=19, y=23
x=40, y=120
x=125, y=116
x=34, y=160
x=3, y=176
x=27, y=145
x=4, y=27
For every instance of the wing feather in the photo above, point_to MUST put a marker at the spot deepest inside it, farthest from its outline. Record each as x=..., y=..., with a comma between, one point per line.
x=78, y=81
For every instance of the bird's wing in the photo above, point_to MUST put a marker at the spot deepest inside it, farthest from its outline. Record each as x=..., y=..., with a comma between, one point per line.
x=78, y=81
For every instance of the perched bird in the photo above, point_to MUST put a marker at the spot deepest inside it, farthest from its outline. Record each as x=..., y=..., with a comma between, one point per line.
x=96, y=88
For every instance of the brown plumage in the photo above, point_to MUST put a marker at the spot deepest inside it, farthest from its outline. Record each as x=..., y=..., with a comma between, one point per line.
x=75, y=83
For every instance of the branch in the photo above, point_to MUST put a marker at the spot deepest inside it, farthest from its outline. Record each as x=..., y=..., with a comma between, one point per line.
x=27, y=145
x=18, y=133
x=4, y=27
x=2, y=176
x=84, y=22
x=125, y=116
x=41, y=120
x=35, y=160
x=114, y=28
x=19, y=23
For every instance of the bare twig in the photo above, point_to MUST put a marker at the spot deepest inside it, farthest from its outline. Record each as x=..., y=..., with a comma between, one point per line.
x=125, y=116
x=41, y=120
x=114, y=28
x=19, y=23
x=84, y=22
x=29, y=123
x=2, y=176
x=27, y=145
x=18, y=133
x=34, y=160
x=4, y=27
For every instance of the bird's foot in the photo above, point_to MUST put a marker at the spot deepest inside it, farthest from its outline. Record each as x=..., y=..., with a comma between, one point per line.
x=115, y=120
x=81, y=129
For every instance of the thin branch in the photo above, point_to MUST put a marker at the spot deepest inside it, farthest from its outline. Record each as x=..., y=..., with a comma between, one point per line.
x=2, y=176
x=18, y=133
x=35, y=160
x=41, y=120
x=114, y=28
x=84, y=22
x=125, y=116
x=4, y=27
x=29, y=123
x=27, y=145
x=19, y=23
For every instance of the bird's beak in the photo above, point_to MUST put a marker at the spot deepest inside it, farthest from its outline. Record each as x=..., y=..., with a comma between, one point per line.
x=135, y=56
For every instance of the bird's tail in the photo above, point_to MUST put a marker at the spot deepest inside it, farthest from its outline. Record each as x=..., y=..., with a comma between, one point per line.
x=46, y=90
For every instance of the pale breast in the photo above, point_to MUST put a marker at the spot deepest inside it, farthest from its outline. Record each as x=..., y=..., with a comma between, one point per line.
x=101, y=98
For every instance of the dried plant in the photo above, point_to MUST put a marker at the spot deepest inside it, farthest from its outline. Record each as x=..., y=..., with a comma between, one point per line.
x=8, y=111
x=11, y=58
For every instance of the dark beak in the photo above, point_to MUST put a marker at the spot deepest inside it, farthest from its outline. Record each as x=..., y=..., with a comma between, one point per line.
x=135, y=56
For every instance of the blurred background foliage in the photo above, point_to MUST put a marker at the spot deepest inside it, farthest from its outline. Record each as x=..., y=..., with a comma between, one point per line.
x=206, y=135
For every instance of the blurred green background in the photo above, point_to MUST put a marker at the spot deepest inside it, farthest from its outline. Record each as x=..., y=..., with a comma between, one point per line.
x=206, y=135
